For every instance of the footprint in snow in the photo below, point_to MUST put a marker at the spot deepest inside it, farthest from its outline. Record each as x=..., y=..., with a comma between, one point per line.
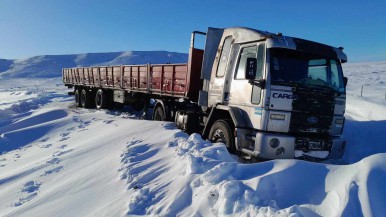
x=84, y=124
x=46, y=146
x=2, y=161
x=108, y=121
x=44, y=140
x=53, y=170
x=25, y=199
x=64, y=134
x=30, y=189
x=62, y=146
x=76, y=119
x=54, y=160
x=60, y=153
x=64, y=137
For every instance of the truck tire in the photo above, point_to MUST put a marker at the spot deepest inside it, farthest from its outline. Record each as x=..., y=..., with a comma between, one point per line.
x=221, y=131
x=77, y=97
x=159, y=114
x=85, y=99
x=101, y=99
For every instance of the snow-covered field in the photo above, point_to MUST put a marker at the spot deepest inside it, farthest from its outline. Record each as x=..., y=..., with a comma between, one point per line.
x=58, y=160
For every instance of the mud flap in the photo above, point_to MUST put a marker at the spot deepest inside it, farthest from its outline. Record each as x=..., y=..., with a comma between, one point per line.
x=337, y=149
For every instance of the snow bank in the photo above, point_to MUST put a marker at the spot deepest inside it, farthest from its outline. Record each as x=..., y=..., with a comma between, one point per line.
x=204, y=180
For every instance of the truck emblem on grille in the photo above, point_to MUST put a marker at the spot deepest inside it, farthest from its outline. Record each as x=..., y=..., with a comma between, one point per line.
x=312, y=120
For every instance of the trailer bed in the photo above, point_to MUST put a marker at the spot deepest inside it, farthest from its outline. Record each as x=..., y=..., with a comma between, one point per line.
x=174, y=80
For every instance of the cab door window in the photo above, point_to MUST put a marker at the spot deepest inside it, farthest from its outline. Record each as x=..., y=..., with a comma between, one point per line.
x=247, y=52
x=224, y=57
x=257, y=52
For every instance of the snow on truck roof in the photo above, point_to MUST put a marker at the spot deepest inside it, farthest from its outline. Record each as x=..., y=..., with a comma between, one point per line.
x=244, y=34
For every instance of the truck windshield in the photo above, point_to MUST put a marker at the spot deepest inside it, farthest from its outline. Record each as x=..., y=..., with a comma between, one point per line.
x=294, y=68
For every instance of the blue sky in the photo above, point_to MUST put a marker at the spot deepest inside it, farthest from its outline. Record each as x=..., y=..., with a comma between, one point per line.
x=29, y=28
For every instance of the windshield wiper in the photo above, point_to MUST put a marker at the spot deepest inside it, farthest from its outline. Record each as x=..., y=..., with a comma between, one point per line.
x=289, y=83
x=309, y=86
x=328, y=88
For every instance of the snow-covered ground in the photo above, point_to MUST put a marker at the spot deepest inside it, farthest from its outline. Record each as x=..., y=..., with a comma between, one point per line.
x=58, y=160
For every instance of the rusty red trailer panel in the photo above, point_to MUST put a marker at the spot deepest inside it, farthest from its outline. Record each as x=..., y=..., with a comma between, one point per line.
x=169, y=79
x=174, y=80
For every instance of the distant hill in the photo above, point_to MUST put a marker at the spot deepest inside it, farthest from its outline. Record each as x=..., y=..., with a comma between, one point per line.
x=50, y=66
x=5, y=65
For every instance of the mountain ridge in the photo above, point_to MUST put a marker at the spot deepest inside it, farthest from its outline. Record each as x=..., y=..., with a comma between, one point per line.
x=50, y=66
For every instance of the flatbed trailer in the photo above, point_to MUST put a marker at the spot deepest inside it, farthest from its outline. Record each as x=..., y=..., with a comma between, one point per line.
x=181, y=80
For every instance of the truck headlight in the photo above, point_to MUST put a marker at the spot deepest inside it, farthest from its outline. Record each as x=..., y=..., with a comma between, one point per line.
x=339, y=121
x=277, y=117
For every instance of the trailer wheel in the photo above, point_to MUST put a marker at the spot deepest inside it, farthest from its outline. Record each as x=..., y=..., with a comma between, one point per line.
x=159, y=114
x=85, y=99
x=77, y=97
x=221, y=131
x=101, y=99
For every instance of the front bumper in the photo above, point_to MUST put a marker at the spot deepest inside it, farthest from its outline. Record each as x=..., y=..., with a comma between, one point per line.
x=287, y=147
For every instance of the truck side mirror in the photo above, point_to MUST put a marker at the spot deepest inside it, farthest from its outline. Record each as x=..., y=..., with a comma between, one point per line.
x=251, y=65
x=345, y=80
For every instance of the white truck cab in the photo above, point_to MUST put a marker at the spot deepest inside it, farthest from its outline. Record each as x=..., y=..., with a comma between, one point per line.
x=284, y=97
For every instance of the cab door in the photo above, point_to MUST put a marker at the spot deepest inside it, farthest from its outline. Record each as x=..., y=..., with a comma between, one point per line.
x=218, y=81
x=245, y=93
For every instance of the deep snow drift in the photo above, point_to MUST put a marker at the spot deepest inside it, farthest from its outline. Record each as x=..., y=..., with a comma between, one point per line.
x=58, y=160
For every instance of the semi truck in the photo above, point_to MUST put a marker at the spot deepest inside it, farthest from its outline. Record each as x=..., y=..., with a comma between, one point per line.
x=263, y=95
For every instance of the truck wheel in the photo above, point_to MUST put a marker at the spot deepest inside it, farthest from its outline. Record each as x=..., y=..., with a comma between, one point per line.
x=101, y=99
x=85, y=99
x=221, y=131
x=77, y=98
x=159, y=114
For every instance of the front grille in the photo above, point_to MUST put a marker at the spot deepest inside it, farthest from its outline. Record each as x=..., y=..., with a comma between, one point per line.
x=313, y=101
x=313, y=111
x=300, y=123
